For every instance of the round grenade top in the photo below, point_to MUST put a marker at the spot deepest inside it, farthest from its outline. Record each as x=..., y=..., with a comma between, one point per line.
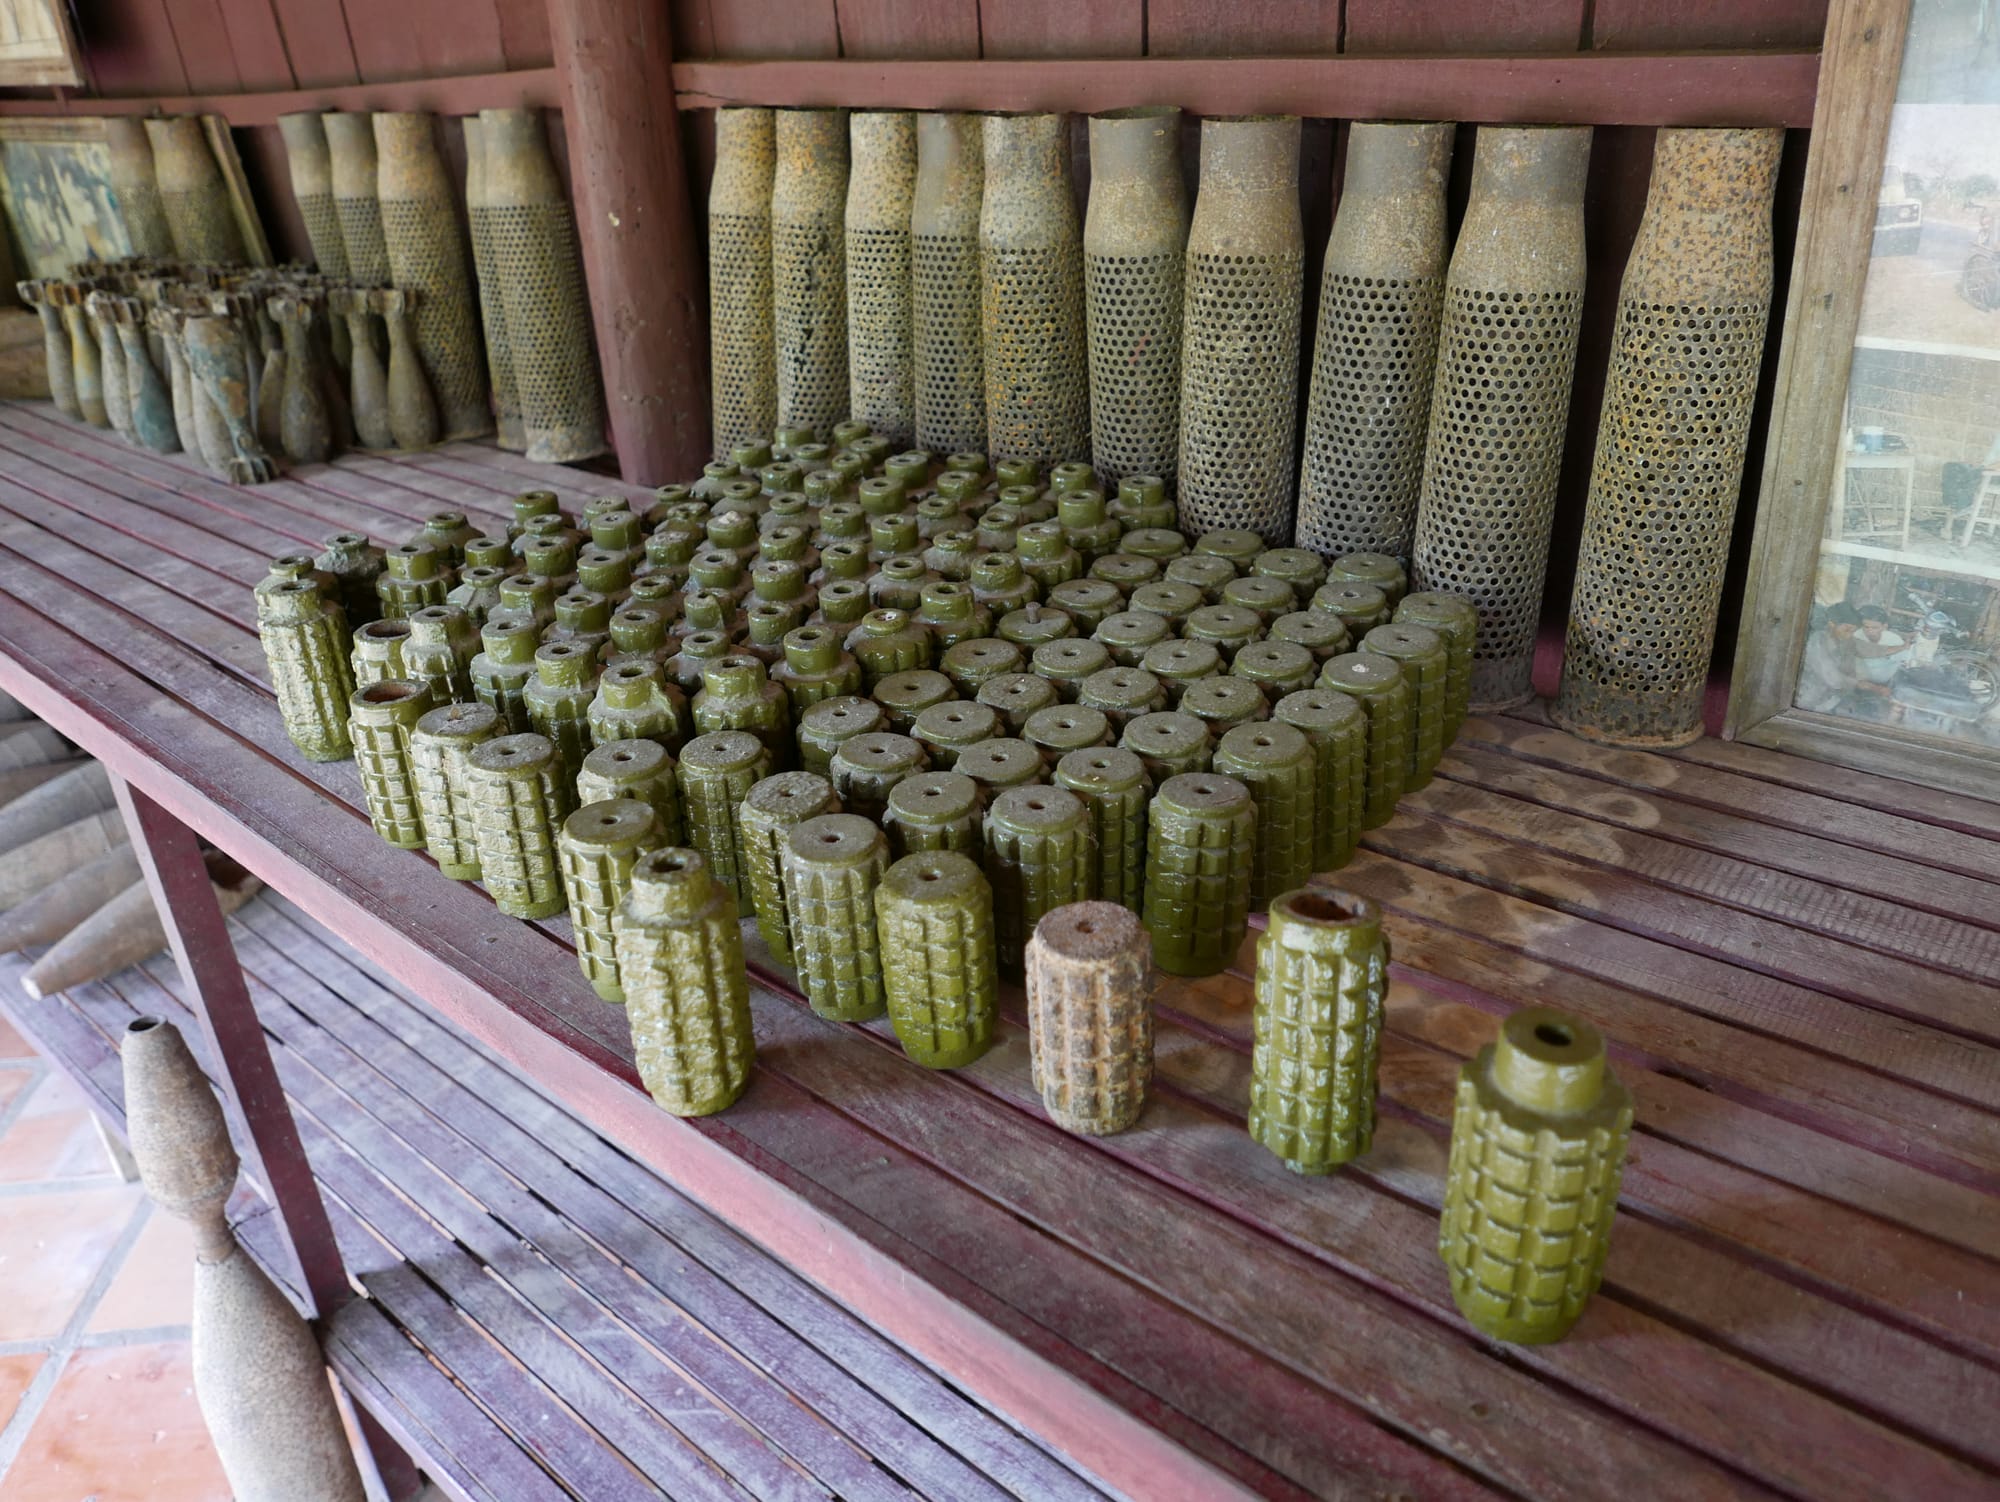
x=1550, y=1062
x=610, y=824
x=722, y=751
x=935, y=876
x=626, y=762
x=934, y=798
x=1003, y=762
x=1361, y=673
x=837, y=840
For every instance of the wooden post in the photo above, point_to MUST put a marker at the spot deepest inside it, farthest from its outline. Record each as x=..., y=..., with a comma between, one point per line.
x=641, y=252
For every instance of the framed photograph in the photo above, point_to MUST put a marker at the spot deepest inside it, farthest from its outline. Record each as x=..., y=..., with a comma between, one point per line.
x=55, y=188
x=37, y=46
x=1871, y=628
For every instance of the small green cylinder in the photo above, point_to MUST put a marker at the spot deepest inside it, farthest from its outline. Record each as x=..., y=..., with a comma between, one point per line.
x=439, y=744
x=904, y=696
x=1142, y=501
x=833, y=865
x=1337, y=726
x=830, y=724
x=1300, y=569
x=442, y=644
x=519, y=799
x=1086, y=602
x=716, y=774
x=1034, y=626
x=1426, y=664
x=355, y=564
x=1229, y=628
x=1360, y=607
x=1169, y=743
x=598, y=846
x=1321, y=634
x=1201, y=840
x=1224, y=702
x=934, y=924
x=306, y=649
x=738, y=694
x=1267, y=599
x=816, y=667
x=1171, y=601
x=1181, y=664
x=411, y=580
x=559, y=697
x=1277, y=764
x=636, y=769
x=634, y=702
x=970, y=665
x=1041, y=853
x=1130, y=634
x=1160, y=541
x=935, y=811
x=1202, y=572
x=380, y=719
x=866, y=768
x=1121, y=695
x=888, y=641
x=1063, y=728
x=376, y=651
x=773, y=808
x=1456, y=619
x=1234, y=544
x=1066, y=663
x=947, y=729
x=503, y=669
x=1018, y=696
x=1125, y=572
x=1377, y=684
x=1378, y=569
x=1277, y=667
x=1004, y=762
x=1113, y=784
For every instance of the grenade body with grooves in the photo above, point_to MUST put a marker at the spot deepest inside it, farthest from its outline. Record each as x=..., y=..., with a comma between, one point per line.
x=410, y=580
x=832, y=866
x=636, y=769
x=951, y=727
x=1455, y=619
x=559, y=698
x=934, y=922
x=355, y=564
x=1090, y=1017
x=633, y=702
x=809, y=267
x=305, y=646
x=1130, y=634
x=378, y=651
x=888, y=641
x=866, y=768
x=1201, y=840
x=1538, y=1139
x=1378, y=569
x=935, y=811
x=881, y=188
x=1114, y=785
x=1337, y=726
x=1041, y=854
x=502, y=670
x=716, y=774
x=743, y=371
x=687, y=990
x=831, y=723
x=598, y=846
x=1377, y=684
x=905, y=696
x=1322, y=971
x=815, y=667
x=950, y=376
x=440, y=650
x=443, y=738
x=773, y=808
x=520, y=797
x=1426, y=664
x=381, y=717
x=737, y=694
x=1276, y=762
x=1169, y=743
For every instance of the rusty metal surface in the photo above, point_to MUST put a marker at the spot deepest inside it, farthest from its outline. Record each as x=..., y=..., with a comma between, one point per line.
x=1513, y=305
x=743, y=374
x=950, y=374
x=809, y=268
x=350, y=141
x=1240, y=335
x=881, y=191
x=1692, y=313
x=136, y=187
x=1134, y=264
x=312, y=187
x=193, y=196
x=1375, y=353
x=492, y=305
x=1031, y=294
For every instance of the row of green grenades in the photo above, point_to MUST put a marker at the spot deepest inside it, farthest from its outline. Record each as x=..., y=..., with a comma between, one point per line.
x=909, y=719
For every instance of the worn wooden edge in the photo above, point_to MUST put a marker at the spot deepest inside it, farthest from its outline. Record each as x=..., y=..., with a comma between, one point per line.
x=1877, y=748
x=466, y=94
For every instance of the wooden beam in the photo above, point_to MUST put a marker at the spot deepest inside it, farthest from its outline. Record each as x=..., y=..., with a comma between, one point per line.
x=524, y=88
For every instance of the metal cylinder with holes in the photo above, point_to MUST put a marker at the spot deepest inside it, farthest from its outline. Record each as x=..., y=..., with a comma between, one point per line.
x=947, y=341
x=598, y=846
x=1090, y=1016
x=743, y=372
x=881, y=188
x=809, y=268
x=832, y=866
x=520, y=796
x=492, y=302
x=440, y=742
x=773, y=808
x=136, y=186
x=380, y=719
x=934, y=923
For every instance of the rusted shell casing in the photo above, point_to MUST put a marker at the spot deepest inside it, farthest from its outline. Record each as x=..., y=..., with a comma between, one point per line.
x=193, y=195
x=1135, y=235
x=809, y=268
x=765, y=820
x=1456, y=619
x=1031, y=293
x=881, y=187
x=1240, y=333
x=743, y=372
x=1380, y=295
x=136, y=186
x=312, y=189
x=1513, y=306
x=687, y=989
x=520, y=797
x=350, y=140
x=934, y=922
x=599, y=844
x=381, y=717
x=1685, y=355
x=1426, y=665
x=950, y=373
x=833, y=865
x=1090, y=1016
x=442, y=739
x=492, y=301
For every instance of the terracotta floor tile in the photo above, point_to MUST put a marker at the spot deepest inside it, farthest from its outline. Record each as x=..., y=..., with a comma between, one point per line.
x=55, y=1137
x=51, y=1246
x=120, y=1426
x=156, y=1284
x=16, y=1372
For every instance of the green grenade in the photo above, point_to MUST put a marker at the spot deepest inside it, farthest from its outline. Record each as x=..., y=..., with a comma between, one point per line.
x=410, y=580
x=935, y=811
x=1063, y=728
x=584, y=618
x=439, y=652
x=530, y=504
x=1299, y=569
x=1222, y=703
x=1456, y=619
x=970, y=665
x=998, y=531
x=716, y=774
x=738, y=694
x=1173, y=602
x=1234, y=546
x=439, y=744
x=355, y=564
x=1066, y=663
x=1041, y=853
x=380, y=719
x=1017, y=696
x=1378, y=569
x=305, y=649
x=1069, y=478
x=685, y=668
x=997, y=580
x=549, y=554
x=519, y=799
x=603, y=571
x=493, y=550
x=1277, y=667
x=888, y=641
x=1114, y=785
x=1121, y=695
x=1538, y=1141
x=447, y=532
x=599, y=845
x=831, y=723
x=1228, y=628
x=934, y=922
x=1046, y=556
x=1087, y=525
x=654, y=592
x=1033, y=625
x=559, y=699
x=1337, y=726
x=1002, y=762
x=376, y=651
x=524, y=593
x=1201, y=840
x=636, y=769
x=867, y=767
x=1322, y=969
x=951, y=615
x=1181, y=664
x=772, y=810
x=687, y=990
x=952, y=556
x=1125, y=572
x=1169, y=743
x=898, y=584
x=1426, y=663
x=1265, y=598
x=633, y=703
x=1090, y=1017
x=1162, y=543
x=1360, y=607
x=1276, y=762
x=477, y=593
x=1130, y=634
x=1142, y=502
x=1017, y=471
x=945, y=730
x=833, y=865
x=1204, y=572
x=1378, y=686
x=1323, y=635
x=904, y=696
x=503, y=668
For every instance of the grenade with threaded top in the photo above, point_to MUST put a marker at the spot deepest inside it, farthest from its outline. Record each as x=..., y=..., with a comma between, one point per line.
x=635, y=702
x=775, y=807
x=1041, y=853
x=1115, y=787
x=934, y=922
x=1142, y=502
x=832, y=866
x=355, y=564
x=1538, y=1139
x=737, y=694
x=636, y=769
x=1337, y=726
x=1224, y=702
x=971, y=665
x=1062, y=728
x=1090, y=1016
x=380, y=719
x=439, y=745
x=520, y=796
x=687, y=990
x=559, y=699
x=1179, y=665
x=306, y=648
x=376, y=651
x=1426, y=664
x=1201, y=839
x=1277, y=764
x=503, y=669
x=1131, y=634
x=1456, y=619
x=1322, y=969
x=867, y=768
x=439, y=652
x=410, y=580
x=935, y=811
x=598, y=846
x=1359, y=607
x=1276, y=667
x=716, y=774
x=1377, y=684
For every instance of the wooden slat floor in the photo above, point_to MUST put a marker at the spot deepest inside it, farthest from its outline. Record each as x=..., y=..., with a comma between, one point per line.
x=1796, y=967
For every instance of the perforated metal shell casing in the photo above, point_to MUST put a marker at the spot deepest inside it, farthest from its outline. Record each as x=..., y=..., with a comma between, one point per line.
x=137, y=188
x=809, y=267
x=934, y=921
x=193, y=195
x=350, y=140
x=1201, y=842
x=519, y=798
x=743, y=374
x=832, y=866
x=950, y=372
x=492, y=302
x=881, y=187
x=772, y=809
x=1090, y=1017
x=312, y=189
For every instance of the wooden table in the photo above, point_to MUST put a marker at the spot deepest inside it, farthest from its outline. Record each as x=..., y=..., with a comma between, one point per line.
x=1794, y=964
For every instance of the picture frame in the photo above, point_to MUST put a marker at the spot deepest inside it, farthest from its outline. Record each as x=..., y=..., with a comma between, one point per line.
x=56, y=194
x=38, y=47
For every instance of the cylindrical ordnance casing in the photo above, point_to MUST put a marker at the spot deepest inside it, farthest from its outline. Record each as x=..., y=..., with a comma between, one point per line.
x=1685, y=357
x=479, y=216
x=934, y=923
x=816, y=667
x=502, y=670
x=1067, y=662
x=1142, y=502
x=1063, y=728
x=1031, y=293
x=904, y=696
x=598, y=846
x=380, y=719
x=123, y=931
x=193, y=195
x=1378, y=569
x=935, y=811
x=881, y=187
x=64, y=900
x=1276, y=667
x=1538, y=1140
x=1201, y=842
x=1223, y=702
x=1090, y=1016
x=866, y=768
x=1034, y=625
x=558, y=699
x=949, y=611
x=520, y=795
x=306, y=647
x=1359, y=607
x=1002, y=762
x=439, y=652
x=743, y=371
x=1173, y=600
x=1086, y=602
x=944, y=237
x=1426, y=664
x=1130, y=634
x=970, y=665
x=350, y=139
x=1240, y=333
x=635, y=702
x=1114, y=785
x=737, y=694
x=947, y=729
x=137, y=188
x=1277, y=764
x=1168, y=743
x=716, y=774
x=439, y=744
x=1017, y=696
x=832, y=865
x=1455, y=619
x=831, y=723
x=1180, y=664
x=699, y=649
x=1337, y=726
x=888, y=641
x=477, y=592
x=1264, y=597
x=809, y=267
x=1041, y=854
x=1320, y=633
x=772, y=810
x=46, y=858
x=1379, y=685
x=687, y=991
x=1121, y=695
x=1228, y=628
x=1376, y=350
x=1322, y=970
x=1300, y=569
x=1513, y=307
